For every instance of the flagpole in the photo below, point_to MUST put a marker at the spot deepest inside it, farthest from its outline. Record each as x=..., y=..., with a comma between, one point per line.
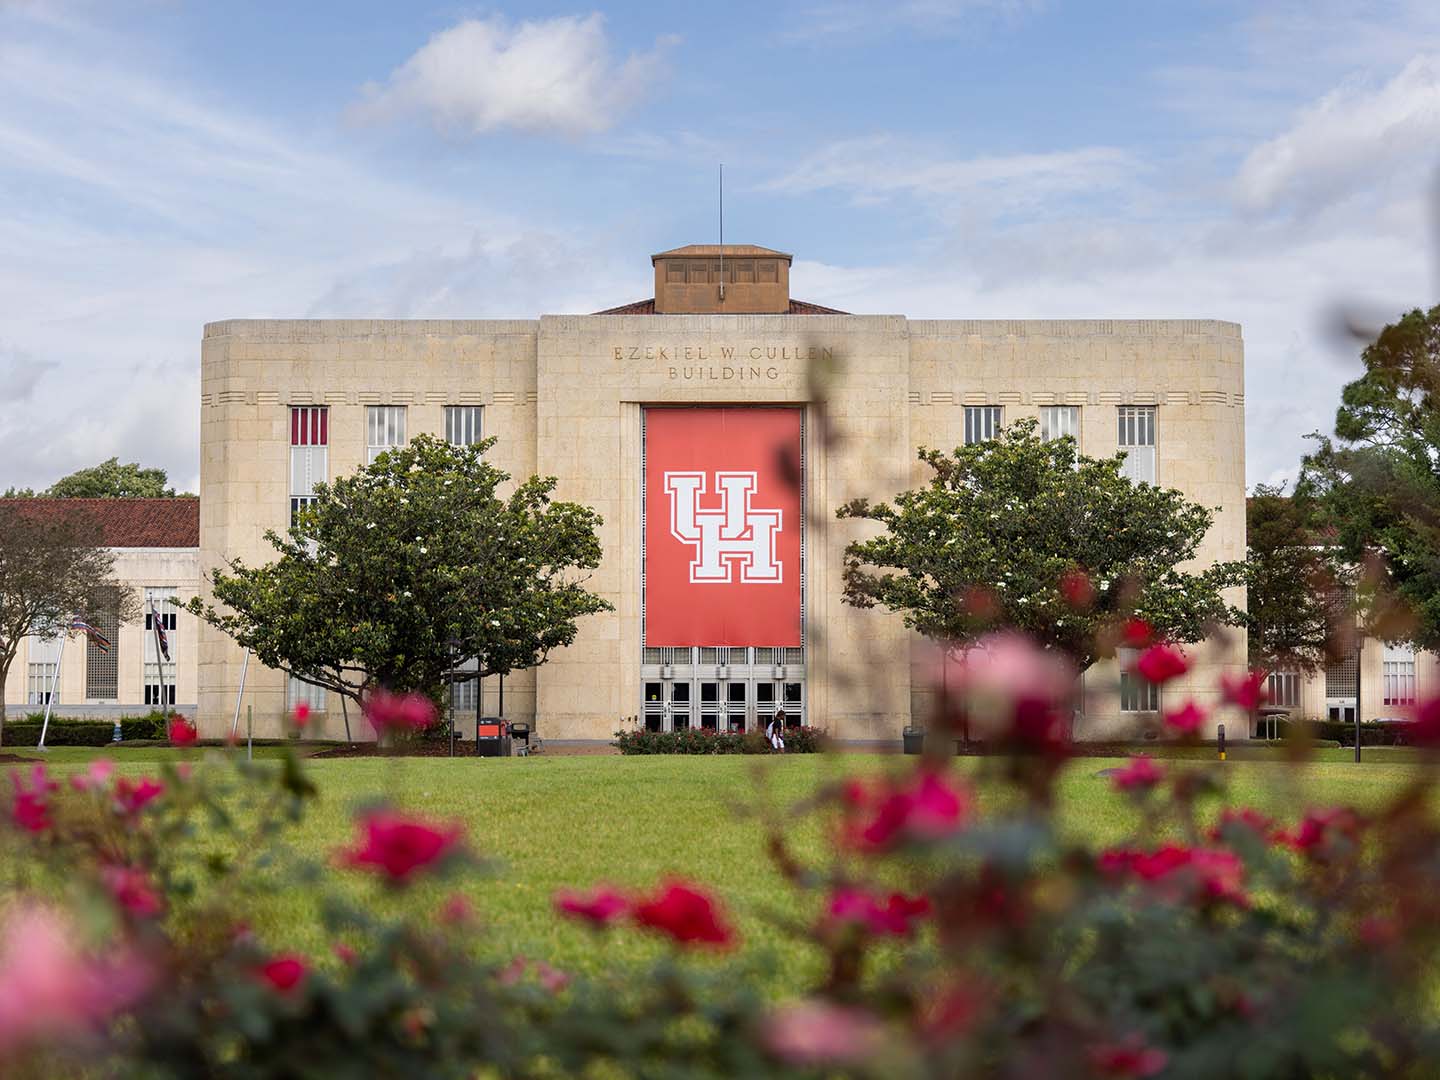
x=235, y=724
x=54, y=689
x=159, y=663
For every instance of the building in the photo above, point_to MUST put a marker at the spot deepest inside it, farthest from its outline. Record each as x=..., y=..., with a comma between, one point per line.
x=723, y=556
x=156, y=544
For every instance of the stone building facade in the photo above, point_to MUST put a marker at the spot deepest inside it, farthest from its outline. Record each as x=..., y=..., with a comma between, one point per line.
x=285, y=402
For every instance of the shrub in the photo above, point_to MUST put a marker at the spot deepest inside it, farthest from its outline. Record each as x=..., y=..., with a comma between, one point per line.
x=85, y=731
x=802, y=740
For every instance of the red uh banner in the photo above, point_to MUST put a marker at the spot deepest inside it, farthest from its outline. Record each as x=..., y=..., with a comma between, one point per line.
x=722, y=526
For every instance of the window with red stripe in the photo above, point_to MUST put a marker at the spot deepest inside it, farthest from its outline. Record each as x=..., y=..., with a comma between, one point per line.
x=309, y=454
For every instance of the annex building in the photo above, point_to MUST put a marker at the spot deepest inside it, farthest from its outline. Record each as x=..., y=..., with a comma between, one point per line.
x=716, y=426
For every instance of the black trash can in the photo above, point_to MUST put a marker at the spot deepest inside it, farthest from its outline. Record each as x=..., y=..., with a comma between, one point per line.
x=491, y=738
x=914, y=739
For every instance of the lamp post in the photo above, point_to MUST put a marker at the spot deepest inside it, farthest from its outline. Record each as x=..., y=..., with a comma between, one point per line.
x=1359, y=656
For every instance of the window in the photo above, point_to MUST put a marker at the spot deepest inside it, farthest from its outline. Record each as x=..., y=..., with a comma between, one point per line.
x=102, y=663
x=1057, y=421
x=1136, y=694
x=982, y=422
x=309, y=454
x=384, y=428
x=300, y=692
x=1283, y=689
x=40, y=673
x=158, y=673
x=1137, y=439
x=465, y=696
x=462, y=425
x=1398, y=666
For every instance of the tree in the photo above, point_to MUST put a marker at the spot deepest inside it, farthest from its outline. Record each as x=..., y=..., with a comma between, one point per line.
x=108, y=480
x=1030, y=534
x=1291, y=581
x=400, y=574
x=52, y=569
x=1378, y=480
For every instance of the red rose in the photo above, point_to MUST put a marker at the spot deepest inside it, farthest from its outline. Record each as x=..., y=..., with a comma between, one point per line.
x=31, y=806
x=1161, y=663
x=1177, y=872
x=1247, y=692
x=1247, y=818
x=893, y=917
x=1188, y=719
x=130, y=889
x=389, y=712
x=1141, y=774
x=131, y=796
x=601, y=907
x=1137, y=633
x=1130, y=1059
x=398, y=845
x=1076, y=589
x=302, y=715
x=1324, y=834
x=182, y=731
x=284, y=972
x=924, y=807
x=685, y=914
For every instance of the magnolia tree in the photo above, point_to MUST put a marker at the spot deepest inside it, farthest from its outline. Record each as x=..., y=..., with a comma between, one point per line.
x=939, y=922
x=404, y=573
x=52, y=568
x=1031, y=534
x=1291, y=580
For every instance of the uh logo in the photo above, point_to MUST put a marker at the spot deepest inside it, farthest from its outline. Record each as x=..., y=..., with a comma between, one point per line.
x=734, y=533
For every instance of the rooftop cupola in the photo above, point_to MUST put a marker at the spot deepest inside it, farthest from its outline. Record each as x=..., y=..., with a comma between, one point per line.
x=715, y=279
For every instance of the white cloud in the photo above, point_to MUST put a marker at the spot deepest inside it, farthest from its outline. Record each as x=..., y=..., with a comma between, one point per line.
x=548, y=76
x=1351, y=140
x=842, y=18
x=880, y=167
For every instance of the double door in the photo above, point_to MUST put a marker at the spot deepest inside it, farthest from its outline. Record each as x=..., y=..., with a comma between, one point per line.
x=737, y=694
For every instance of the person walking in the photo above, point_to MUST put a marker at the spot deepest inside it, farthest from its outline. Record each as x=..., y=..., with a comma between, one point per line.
x=775, y=731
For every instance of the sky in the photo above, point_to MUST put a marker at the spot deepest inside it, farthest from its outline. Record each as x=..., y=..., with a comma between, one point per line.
x=165, y=163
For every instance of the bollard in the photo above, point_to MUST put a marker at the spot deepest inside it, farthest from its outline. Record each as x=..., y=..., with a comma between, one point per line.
x=1220, y=740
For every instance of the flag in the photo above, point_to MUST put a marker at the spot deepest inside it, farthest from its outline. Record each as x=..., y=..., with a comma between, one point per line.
x=162, y=642
x=99, y=640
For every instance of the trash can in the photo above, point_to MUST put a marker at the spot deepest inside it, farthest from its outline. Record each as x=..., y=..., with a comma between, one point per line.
x=491, y=738
x=914, y=739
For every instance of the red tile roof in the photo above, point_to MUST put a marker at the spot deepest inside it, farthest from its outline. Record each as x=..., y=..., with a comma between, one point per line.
x=126, y=523
x=647, y=307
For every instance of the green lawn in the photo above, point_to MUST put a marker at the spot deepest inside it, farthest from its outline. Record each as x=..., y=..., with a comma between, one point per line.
x=556, y=822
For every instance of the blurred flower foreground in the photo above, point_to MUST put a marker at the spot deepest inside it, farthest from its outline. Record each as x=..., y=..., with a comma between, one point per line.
x=957, y=925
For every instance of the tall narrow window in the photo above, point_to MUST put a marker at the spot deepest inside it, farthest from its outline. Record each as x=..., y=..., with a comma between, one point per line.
x=982, y=422
x=1057, y=421
x=158, y=671
x=1137, y=694
x=43, y=663
x=1399, y=671
x=102, y=660
x=1283, y=689
x=1137, y=439
x=299, y=692
x=309, y=454
x=462, y=425
x=384, y=429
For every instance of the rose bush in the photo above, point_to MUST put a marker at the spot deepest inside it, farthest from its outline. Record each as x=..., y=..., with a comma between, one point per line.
x=952, y=935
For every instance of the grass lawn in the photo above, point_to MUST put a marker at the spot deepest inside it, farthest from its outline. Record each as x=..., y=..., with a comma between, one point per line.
x=562, y=822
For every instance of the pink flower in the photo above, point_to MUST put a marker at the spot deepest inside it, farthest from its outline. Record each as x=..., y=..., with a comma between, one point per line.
x=1008, y=688
x=1161, y=663
x=1176, y=872
x=1325, y=834
x=389, y=712
x=31, y=806
x=1247, y=818
x=1248, y=692
x=552, y=979
x=1137, y=633
x=1425, y=730
x=95, y=777
x=130, y=889
x=399, y=846
x=601, y=907
x=686, y=915
x=1141, y=774
x=1188, y=719
x=301, y=715
x=345, y=953
x=182, y=731
x=818, y=1033
x=893, y=917
x=457, y=910
x=284, y=972
x=925, y=807
x=49, y=988
x=131, y=796
x=1129, y=1059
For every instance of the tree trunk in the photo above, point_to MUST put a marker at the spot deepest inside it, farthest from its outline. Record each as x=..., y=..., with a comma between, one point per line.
x=4, y=678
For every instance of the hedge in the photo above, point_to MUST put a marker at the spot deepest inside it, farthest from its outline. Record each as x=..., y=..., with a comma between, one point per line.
x=801, y=740
x=78, y=731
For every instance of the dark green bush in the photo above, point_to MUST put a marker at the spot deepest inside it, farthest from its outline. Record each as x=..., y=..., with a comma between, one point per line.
x=804, y=740
x=86, y=731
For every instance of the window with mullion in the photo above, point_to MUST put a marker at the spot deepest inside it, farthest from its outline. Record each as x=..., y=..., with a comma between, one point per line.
x=982, y=423
x=1136, y=437
x=384, y=430
x=462, y=425
x=309, y=454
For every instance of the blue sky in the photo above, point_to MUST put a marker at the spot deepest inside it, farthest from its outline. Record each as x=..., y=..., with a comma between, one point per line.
x=167, y=163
